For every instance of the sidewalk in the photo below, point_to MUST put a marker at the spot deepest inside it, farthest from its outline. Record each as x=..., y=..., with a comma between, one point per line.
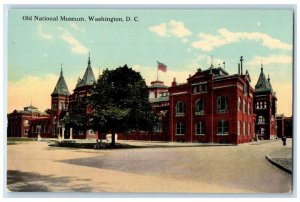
x=282, y=158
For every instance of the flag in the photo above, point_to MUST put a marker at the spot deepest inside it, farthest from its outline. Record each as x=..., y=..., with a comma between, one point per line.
x=161, y=66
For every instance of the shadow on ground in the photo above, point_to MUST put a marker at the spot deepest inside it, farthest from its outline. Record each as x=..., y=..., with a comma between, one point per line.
x=18, y=181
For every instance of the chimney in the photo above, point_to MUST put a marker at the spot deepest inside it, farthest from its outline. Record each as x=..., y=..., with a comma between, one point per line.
x=174, y=83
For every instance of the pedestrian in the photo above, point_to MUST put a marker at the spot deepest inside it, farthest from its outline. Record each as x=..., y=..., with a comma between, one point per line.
x=283, y=140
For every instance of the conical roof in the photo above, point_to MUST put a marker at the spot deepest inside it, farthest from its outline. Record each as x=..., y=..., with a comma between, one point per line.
x=88, y=77
x=61, y=87
x=263, y=84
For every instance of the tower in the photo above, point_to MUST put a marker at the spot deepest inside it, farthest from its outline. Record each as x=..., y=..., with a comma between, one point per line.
x=59, y=103
x=265, y=107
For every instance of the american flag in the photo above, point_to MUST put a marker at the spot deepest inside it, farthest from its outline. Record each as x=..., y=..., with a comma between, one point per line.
x=161, y=66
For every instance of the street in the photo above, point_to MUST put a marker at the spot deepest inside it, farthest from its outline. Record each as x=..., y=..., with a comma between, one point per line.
x=33, y=166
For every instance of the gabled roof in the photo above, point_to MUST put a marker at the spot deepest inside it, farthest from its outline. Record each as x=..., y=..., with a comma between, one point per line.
x=61, y=87
x=88, y=77
x=263, y=84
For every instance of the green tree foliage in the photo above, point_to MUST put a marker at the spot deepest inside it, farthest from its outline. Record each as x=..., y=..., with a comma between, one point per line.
x=77, y=116
x=48, y=111
x=120, y=103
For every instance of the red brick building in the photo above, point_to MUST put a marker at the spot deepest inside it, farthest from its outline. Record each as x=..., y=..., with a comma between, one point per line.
x=20, y=122
x=212, y=106
x=265, y=105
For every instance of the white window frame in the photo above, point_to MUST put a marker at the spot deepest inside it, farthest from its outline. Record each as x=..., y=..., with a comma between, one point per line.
x=197, y=111
x=181, y=128
x=202, y=128
x=223, y=127
x=178, y=112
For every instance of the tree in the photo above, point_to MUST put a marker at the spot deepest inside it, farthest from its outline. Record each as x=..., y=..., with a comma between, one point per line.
x=120, y=103
x=77, y=116
x=48, y=111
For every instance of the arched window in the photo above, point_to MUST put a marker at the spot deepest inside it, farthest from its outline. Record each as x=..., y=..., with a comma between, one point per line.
x=180, y=108
x=222, y=105
x=199, y=107
x=180, y=129
x=239, y=104
x=200, y=128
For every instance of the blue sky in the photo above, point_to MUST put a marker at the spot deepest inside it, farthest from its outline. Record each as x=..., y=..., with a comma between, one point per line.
x=182, y=39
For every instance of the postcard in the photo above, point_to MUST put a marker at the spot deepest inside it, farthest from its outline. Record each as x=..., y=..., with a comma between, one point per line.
x=140, y=100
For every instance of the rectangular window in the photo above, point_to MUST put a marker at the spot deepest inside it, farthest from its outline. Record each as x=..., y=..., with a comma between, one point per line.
x=180, y=130
x=222, y=127
x=249, y=129
x=199, y=128
x=158, y=126
x=244, y=128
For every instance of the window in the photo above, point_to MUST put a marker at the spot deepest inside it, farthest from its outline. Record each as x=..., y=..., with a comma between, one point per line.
x=199, y=128
x=180, y=109
x=244, y=128
x=54, y=106
x=260, y=105
x=239, y=104
x=244, y=106
x=257, y=105
x=26, y=123
x=158, y=126
x=249, y=129
x=91, y=132
x=249, y=109
x=265, y=105
x=261, y=119
x=222, y=127
x=245, y=89
x=238, y=128
x=222, y=104
x=200, y=88
x=199, y=107
x=180, y=129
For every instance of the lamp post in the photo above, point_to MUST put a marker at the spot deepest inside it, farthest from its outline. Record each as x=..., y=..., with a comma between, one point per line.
x=58, y=127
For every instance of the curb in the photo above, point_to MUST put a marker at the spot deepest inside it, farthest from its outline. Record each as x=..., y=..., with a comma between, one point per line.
x=278, y=165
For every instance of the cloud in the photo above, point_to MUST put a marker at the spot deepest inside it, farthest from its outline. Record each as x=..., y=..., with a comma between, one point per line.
x=33, y=88
x=76, y=27
x=208, y=42
x=42, y=34
x=258, y=23
x=271, y=59
x=172, y=28
x=75, y=45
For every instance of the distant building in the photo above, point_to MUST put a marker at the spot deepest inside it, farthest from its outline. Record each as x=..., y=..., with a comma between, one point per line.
x=284, y=126
x=19, y=122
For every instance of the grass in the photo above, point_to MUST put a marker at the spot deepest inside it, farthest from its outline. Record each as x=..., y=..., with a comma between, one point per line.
x=16, y=140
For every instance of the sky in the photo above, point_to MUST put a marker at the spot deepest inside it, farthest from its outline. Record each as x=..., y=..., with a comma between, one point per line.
x=183, y=39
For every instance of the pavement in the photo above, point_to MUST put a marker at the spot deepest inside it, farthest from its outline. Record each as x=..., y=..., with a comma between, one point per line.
x=282, y=158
